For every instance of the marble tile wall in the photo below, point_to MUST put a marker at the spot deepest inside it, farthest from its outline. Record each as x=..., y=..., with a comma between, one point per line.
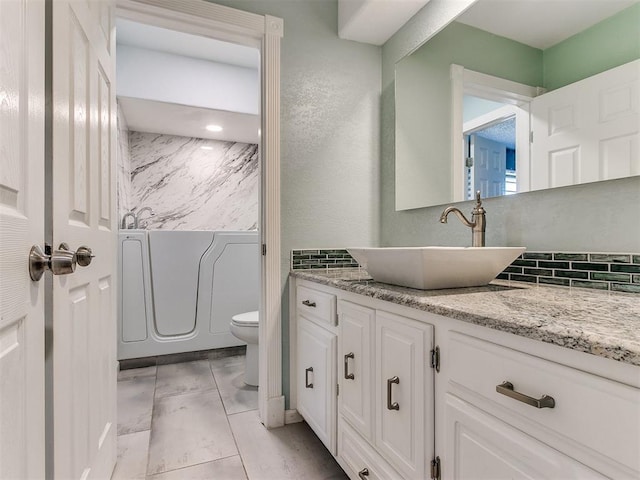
x=193, y=183
x=125, y=196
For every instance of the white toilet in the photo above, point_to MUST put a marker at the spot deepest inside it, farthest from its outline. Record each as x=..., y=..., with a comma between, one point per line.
x=245, y=327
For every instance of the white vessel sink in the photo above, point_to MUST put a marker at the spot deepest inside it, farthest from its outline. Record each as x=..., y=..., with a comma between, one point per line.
x=430, y=268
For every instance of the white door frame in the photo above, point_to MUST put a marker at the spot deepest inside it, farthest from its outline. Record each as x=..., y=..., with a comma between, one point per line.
x=465, y=81
x=263, y=32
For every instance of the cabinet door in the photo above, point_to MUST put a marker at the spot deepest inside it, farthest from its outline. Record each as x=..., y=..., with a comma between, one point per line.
x=404, y=392
x=354, y=367
x=317, y=380
x=481, y=447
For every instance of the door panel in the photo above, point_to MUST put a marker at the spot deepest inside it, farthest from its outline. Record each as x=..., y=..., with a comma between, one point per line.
x=489, y=169
x=84, y=360
x=22, y=453
x=587, y=131
x=402, y=346
x=356, y=330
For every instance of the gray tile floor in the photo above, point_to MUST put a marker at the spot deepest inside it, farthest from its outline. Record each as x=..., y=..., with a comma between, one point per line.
x=198, y=420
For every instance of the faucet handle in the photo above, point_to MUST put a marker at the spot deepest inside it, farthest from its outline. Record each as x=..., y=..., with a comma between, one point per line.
x=478, y=199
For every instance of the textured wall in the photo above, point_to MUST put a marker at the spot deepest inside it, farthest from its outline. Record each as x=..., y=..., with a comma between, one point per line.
x=602, y=216
x=193, y=183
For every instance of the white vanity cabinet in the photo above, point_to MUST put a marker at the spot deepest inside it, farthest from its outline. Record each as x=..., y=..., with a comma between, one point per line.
x=386, y=391
x=498, y=405
x=516, y=415
x=316, y=363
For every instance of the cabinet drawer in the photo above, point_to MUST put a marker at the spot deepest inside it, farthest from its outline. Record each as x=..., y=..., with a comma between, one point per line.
x=358, y=459
x=317, y=305
x=589, y=411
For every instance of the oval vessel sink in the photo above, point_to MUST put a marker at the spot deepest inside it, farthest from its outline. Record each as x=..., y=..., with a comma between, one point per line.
x=431, y=268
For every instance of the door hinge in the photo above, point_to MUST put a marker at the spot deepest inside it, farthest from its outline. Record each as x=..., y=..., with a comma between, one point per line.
x=531, y=136
x=435, y=359
x=435, y=468
x=338, y=390
x=468, y=162
x=264, y=249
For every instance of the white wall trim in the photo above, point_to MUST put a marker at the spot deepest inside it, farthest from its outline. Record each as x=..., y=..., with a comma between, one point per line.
x=464, y=81
x=263, y=32
x=292, y=416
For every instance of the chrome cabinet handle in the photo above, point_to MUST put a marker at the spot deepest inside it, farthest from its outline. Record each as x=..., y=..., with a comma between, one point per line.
x=392, y=405
x=309, y=303
x=364, y=473
x=506, y=388
x=306, y=377
x=347, y=375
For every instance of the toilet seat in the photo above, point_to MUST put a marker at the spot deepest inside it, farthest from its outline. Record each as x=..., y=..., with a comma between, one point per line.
x=247, y=319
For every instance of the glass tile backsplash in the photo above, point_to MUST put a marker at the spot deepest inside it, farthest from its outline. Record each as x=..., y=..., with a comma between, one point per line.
x=603, y=271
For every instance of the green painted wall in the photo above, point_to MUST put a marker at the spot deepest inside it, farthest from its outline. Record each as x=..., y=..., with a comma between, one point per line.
x=423, y=100
x=612, y=42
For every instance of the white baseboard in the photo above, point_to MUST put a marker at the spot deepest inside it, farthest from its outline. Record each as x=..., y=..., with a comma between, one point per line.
x=274, y=417
x=292, y=416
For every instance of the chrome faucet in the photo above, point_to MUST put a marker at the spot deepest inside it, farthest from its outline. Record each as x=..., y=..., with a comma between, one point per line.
x=477, y=224
x=133, y=224
x=140, y=212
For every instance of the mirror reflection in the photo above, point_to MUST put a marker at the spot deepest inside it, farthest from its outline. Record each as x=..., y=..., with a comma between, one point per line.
x=519, y=96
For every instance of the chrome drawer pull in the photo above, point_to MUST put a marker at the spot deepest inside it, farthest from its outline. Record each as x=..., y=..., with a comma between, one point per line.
x=347, y=375
x=390, y=405
x=506, y=388
x=309, y=303
x=306, y=377
x=364, y=473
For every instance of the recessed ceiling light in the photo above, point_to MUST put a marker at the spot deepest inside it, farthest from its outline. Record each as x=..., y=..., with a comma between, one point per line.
x=206, y=147
x=214, y=128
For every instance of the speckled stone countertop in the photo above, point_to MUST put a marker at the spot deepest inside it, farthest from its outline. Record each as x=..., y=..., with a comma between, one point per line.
x=606, y=324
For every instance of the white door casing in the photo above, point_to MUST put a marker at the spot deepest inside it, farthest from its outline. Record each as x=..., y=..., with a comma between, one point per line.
x=263, y=32
x=465, y=81
x=22, y=414
x=587, y=131
x=84, y=364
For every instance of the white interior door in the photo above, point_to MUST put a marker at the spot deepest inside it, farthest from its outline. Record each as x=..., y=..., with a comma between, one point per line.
x=21, y=225
x=587, y=131
x=489, y=166
x=84, y=329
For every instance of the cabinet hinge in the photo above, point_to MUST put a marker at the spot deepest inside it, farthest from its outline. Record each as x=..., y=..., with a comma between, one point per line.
x=435, y=468
x=264, y=249
x=435, y=359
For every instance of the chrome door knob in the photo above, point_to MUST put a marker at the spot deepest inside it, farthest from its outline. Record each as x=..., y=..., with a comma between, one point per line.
x=62, y=262
x=84, y=256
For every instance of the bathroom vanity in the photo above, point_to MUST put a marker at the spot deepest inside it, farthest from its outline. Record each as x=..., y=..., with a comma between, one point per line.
x=503, y=381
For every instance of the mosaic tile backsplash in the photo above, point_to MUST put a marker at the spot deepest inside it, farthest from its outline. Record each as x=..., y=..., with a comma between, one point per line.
x=603, y=271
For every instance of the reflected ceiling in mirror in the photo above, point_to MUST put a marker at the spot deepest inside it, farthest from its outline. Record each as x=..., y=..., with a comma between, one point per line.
x=561, y=48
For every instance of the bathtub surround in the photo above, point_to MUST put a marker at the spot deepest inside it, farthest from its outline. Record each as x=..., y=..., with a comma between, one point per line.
x=194, y=183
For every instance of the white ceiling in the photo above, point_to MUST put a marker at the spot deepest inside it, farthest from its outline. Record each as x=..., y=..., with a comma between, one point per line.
x=374, y=21
x=540, y=23
x=163, y=40
x=171, y=119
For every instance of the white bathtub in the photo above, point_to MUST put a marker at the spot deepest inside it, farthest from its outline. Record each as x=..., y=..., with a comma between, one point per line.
x=179, y=289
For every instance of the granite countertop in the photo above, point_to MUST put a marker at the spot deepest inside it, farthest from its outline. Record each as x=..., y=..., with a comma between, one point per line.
x=602, y=323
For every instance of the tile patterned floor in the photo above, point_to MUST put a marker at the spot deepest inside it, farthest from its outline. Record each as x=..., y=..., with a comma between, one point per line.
x=198, y=420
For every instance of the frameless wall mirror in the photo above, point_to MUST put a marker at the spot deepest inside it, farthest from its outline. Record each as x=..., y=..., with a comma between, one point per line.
x=519, y=96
